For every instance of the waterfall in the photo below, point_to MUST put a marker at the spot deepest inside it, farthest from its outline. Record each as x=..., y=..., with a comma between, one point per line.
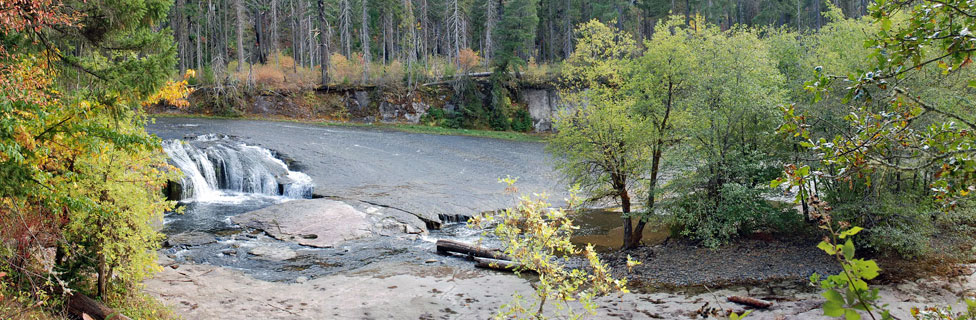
x=213, y=165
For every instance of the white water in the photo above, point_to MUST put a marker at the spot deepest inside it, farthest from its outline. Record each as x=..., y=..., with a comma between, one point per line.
x=217, y=169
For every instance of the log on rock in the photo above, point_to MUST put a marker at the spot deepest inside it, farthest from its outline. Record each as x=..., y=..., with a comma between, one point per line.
x=445, y=246
x=81, y=306
x=495, y=264
x=752, y=302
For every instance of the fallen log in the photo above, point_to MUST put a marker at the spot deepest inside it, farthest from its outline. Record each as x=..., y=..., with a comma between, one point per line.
x=495, y=264
x=752, y=302
x=444, y=246
x=82, y=306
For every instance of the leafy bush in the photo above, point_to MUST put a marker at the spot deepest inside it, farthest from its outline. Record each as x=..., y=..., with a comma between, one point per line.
x=897, y=222
x=537, y=239
x=522, y=121
x=716, y=219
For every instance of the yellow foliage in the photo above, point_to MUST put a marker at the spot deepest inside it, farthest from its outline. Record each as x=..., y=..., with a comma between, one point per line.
x=536, y=237
x=344, y=70
x=173, y=92
x=468, y=59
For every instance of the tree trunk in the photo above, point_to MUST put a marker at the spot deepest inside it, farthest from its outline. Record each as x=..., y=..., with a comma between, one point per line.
x=445, y=246
x=494, y=264
x=364, y=35
x=625, y=207
x=239, y=7
x=273, y=42
x=324, y=43
x=79, y=304
x=260, y=38
x=345, y=22
x=101, y=285
x=180, y=33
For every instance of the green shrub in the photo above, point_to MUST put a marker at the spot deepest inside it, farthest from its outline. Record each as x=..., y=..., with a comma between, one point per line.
x=896, y=221
x=736, y=210
x=522, y=121
x=433, y=117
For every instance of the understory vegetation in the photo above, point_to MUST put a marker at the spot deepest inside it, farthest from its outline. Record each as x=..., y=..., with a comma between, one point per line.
x=696, y=124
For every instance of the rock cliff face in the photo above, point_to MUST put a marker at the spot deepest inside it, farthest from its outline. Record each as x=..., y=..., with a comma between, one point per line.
x=543, y=105
x=367, y=104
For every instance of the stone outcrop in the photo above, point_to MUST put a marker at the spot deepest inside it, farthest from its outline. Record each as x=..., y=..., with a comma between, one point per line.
x=325, y=223
x=543, y=106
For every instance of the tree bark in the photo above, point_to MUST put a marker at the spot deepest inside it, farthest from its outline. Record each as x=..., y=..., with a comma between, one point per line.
x=628, y=224
x=364, y=35
x=445, y=246
x=752, y=302
x=324, y=36
x=79, y=304
x=345, y=23
x=239, y=7
x=180, y=33
x=495, y=264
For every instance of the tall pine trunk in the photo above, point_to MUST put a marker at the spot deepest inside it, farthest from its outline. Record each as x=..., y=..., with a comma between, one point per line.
x=239, y=7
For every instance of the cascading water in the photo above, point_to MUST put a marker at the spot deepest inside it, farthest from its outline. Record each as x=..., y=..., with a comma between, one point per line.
x=223, y=178
x=214, y=165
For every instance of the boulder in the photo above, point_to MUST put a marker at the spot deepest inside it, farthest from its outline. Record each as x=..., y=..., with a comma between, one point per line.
x=315, y=222
x=419, y=110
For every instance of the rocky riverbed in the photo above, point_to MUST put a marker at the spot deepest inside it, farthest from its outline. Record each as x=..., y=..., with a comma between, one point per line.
x=364, y=248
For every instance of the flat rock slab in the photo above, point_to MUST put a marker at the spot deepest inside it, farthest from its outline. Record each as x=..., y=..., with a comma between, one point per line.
x=192, y=238
x=316, y=222
x=273, y=252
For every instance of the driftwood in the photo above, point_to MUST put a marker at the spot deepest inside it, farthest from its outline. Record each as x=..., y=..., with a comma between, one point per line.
x=752, y=302
x=495, y=264
x=82, y=306
x=444, y=246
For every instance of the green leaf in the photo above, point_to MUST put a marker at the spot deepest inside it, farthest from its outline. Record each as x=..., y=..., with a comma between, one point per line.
x=803, y=171
x=850, y=314
x=776, y=183
x=833, y=309
x=868, y=269
x=885, y=24
x=972, y=83
x=850, y=232
x=827, y=247
x=833, y=296
x=848, y=249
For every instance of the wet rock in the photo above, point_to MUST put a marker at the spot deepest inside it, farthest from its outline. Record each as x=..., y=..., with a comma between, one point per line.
x=391, y=221
x=317, y=222
x=192, y=238
x=273, y=252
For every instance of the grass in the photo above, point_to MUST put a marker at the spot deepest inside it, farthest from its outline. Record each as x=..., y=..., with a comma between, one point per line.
x=412, y=128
